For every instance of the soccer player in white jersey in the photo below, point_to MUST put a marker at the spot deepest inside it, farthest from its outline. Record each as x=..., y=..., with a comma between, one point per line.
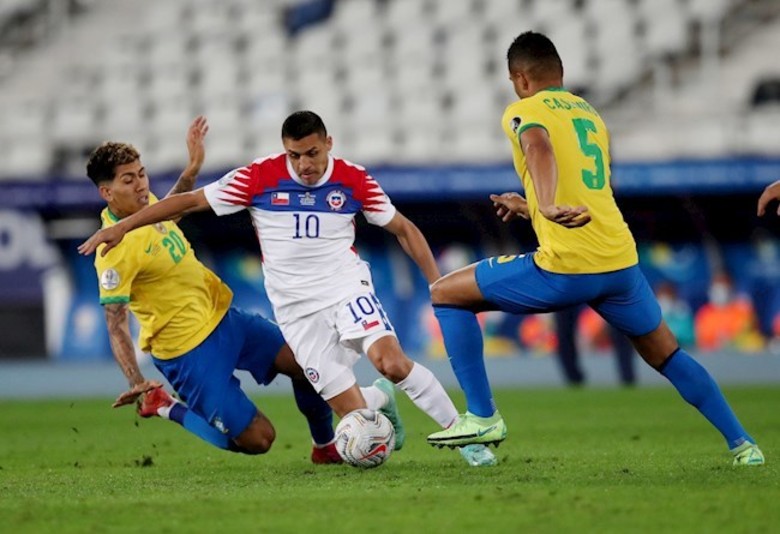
x=303, y=203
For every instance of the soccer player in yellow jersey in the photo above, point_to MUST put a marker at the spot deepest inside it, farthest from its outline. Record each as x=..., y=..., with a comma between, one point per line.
x=586, y=254
x=196, y=338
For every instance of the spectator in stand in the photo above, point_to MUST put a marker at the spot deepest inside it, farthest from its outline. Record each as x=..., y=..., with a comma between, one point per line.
x=728, y=320
x=676, y=313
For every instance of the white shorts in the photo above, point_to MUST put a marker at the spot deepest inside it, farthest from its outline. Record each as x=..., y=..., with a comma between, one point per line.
x=328, y=343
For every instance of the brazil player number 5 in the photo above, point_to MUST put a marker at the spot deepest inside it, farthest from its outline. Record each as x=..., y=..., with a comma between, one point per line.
x=592, y=180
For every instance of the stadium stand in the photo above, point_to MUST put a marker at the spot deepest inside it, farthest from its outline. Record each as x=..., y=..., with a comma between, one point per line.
x=420, y=75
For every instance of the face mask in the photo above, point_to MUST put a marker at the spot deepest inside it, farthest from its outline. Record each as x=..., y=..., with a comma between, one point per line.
x=720, y=294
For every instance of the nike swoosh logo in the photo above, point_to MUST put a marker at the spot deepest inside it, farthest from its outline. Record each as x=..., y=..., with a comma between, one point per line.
x=148, y=249
x=484, y=431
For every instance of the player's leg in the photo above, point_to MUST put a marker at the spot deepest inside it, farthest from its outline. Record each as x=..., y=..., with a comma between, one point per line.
x=264, y=353
x=159, y=402
x=633, y=309
x=326, y=363
x=456, y=299
x=568, y=357
x=624, y=356
x=218, y=411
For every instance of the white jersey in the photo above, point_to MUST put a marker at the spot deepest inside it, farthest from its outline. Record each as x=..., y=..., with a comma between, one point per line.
x=306, y=233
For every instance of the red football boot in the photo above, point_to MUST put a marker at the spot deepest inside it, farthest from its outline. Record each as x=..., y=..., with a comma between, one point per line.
x=326, y=455
x=152, y=401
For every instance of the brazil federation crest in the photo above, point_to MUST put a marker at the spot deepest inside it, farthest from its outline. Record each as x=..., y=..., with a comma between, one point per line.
x=336, y=200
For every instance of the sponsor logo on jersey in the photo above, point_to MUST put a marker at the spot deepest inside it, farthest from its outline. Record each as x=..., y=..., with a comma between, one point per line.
x=307, y=199
x=280, y=198
x=336, y=200
x=313, y=375
x=109, y=279
x=160, y=227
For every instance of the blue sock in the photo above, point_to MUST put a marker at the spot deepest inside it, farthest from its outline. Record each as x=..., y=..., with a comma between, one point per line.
x=463, y=341
x=317, y=412
x=198, y=426
x=698, y=388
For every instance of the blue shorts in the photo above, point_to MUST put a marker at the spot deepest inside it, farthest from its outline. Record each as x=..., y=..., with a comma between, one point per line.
x=203, y=377
x=515, y=284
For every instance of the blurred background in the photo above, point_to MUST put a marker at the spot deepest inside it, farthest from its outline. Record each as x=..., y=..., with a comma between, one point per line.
x=414, y=90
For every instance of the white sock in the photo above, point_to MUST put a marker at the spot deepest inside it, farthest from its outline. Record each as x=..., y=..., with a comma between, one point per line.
x=165, y=411
x=375, y=397
x=427, y=393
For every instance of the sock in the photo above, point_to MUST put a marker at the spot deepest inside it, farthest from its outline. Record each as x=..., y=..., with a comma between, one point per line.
x=375, y=397
x=427, y=393
x=197, y=425
x=697, y=387
x=317, y=412
x=463, y=341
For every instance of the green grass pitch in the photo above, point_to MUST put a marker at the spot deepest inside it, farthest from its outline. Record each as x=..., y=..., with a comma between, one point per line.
x=585, y=460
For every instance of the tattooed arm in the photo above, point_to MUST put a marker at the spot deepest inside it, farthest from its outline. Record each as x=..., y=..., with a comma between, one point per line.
x=118, y=323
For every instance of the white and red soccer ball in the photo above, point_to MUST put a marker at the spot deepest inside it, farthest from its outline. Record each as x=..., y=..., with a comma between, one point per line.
x=365, y=438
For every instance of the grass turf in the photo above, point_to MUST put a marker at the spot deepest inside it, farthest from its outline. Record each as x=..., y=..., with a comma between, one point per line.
x=575, y=460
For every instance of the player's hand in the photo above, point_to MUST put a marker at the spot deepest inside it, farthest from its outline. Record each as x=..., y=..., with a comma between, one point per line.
x=772, y=192
x=196, y=133
x=568, y=216
x=130, y=396
x=509, y=206
x=111, y=236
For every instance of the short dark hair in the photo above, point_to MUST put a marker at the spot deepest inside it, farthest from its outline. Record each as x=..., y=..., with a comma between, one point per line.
x=301, y=124
x=535, y=53
x=107, y=157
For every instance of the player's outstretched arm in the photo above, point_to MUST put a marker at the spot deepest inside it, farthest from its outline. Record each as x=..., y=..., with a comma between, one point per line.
x=540, y=157
x=772, y=192
x=510, y=206
x=118, y=324
x=415, y=245
x=196, y=134
x=168, y=208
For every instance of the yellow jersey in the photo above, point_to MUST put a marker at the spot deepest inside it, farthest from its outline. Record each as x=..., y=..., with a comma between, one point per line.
x=176, y=299
x=580, y=142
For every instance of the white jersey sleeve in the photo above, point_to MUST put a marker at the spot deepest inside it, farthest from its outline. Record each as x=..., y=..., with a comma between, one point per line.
x=231, y=193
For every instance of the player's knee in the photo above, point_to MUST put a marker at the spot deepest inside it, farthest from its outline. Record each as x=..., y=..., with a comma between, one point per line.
x=394, y=366
x=258, y=438
x=439, y=292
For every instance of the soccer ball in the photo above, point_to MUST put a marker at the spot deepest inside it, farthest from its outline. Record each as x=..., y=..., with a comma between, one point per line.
x=365, y=438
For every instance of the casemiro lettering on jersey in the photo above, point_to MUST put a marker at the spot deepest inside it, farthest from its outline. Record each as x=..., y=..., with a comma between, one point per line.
x=560, y=103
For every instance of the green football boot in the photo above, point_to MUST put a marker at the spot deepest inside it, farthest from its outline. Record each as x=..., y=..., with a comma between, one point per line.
x=470, y=429
x=391, y=411
x=748, y=454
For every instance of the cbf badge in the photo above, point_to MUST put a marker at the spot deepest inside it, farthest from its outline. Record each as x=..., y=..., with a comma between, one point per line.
x=336, y=200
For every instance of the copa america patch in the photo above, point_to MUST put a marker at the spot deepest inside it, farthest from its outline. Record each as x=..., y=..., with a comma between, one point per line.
x=515, y=123
x=160, y=227
x=109, y=279
x=336, y=200
x=313, y=375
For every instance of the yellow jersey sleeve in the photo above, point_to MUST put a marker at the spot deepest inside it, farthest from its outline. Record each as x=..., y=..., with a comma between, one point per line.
x=580, y=143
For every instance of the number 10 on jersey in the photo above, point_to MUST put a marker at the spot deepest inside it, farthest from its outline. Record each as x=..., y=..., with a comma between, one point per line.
x=306, y=226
